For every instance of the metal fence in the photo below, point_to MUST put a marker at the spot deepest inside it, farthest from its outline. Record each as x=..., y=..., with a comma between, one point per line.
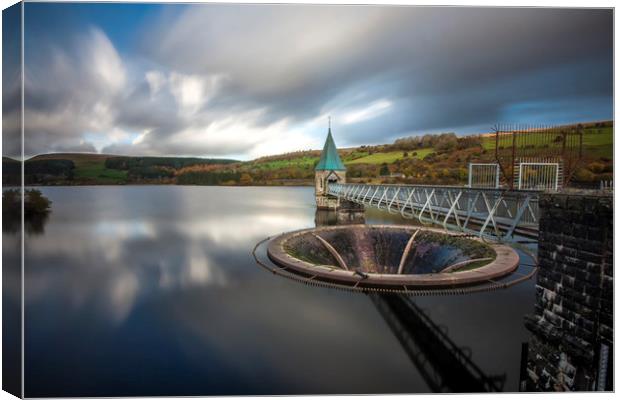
x=483, y=175
x=538, y=143
x=607, y=185
x=538, y=176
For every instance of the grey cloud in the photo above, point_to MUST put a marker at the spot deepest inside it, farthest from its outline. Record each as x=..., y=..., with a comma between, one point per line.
x=440, y=68
x=80, y=89
x=70, y=89
x=84, y=147
x=155, y=148
x=11, y=87
x=11, y=119
x=443, y=67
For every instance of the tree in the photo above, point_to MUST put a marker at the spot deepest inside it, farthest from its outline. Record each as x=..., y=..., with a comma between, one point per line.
x=446, y=142
x=36, y=203
x=385, y=170
x=246, y=179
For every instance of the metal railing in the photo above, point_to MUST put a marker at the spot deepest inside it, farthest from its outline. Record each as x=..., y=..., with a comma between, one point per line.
x=483, y=175
x=491, y=213
x=607, y=185
x=539, y=175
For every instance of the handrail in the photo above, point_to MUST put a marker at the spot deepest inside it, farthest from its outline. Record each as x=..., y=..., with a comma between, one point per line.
x=491, y=213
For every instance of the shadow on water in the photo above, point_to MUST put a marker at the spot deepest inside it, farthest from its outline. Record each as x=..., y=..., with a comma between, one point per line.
x=444, y=366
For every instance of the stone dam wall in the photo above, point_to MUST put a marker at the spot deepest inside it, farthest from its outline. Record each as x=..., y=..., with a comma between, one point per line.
x=571, y=347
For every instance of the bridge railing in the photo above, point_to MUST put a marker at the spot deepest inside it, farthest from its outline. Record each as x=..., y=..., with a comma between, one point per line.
x=492, y=213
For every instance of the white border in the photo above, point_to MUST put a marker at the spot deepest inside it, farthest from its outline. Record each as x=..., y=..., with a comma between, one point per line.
x=483, y=3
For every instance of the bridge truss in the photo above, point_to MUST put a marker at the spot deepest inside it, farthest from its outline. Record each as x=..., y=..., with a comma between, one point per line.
x=495, y=214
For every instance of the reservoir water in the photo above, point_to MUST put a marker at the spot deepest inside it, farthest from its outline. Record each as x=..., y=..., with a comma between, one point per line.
x=152, y=290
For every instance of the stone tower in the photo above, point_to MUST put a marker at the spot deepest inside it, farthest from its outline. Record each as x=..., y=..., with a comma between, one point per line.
x=330, y=169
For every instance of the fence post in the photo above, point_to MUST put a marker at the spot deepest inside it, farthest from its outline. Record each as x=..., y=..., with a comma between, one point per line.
x=497, y=176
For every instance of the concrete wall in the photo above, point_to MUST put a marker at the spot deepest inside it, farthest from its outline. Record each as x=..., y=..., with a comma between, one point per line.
x=573, y=318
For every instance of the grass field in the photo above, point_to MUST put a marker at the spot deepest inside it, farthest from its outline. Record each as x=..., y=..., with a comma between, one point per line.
x=90, y=167
x=592, y=137
x=598, y=137
x=354, y=157
x=96, y=170
x=599, y=143
x=389, y=157
x=302, y=162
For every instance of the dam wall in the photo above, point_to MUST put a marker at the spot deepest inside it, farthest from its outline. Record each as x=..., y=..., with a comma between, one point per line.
x=571, y=347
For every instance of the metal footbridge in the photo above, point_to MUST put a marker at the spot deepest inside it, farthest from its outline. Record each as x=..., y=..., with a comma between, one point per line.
x=497, y=214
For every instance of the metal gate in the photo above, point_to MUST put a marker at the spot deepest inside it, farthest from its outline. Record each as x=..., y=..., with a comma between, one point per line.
x=483, y=175
x=539, y=176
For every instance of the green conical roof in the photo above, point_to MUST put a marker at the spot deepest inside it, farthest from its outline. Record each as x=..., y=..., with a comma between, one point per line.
x=330, y=160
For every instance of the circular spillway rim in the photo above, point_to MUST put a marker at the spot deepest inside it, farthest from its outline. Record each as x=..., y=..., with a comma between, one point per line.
x=506, y=262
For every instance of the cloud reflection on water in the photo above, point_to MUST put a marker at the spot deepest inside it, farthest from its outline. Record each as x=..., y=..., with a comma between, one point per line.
x=153, y=291
x=118, y=268
x=117, y=261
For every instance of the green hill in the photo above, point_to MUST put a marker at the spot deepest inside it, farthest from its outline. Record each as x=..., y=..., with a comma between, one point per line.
x=106, y=169
x=426, y=159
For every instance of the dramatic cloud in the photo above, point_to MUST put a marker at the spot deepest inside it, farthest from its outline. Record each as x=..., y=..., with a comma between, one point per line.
x=250, y=80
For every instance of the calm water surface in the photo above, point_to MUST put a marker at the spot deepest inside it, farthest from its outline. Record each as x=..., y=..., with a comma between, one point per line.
x=152, y=290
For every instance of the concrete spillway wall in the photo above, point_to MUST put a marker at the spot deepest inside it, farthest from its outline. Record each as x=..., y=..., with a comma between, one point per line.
x=363, y=257
x=572, y=325
x=380, y=250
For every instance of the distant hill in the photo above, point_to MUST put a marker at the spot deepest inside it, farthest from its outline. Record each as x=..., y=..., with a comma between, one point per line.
x=425, y=159
x=100, y=169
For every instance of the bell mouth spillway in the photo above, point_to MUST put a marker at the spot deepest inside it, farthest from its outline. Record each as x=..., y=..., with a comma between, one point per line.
x=391, y=256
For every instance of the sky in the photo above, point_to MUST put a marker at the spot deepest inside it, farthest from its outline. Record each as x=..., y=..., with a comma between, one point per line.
x=244, y=81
